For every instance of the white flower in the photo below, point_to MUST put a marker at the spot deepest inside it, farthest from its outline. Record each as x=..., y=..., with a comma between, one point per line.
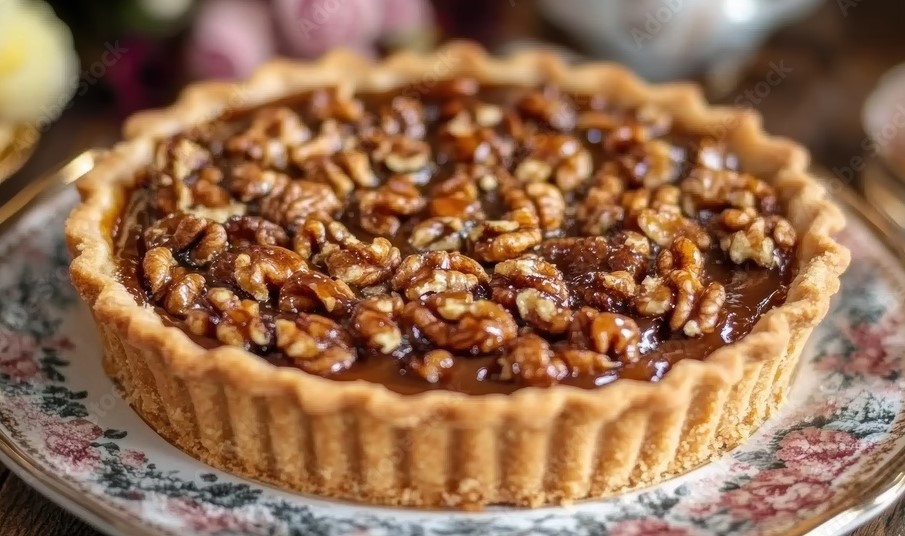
x=38, y=64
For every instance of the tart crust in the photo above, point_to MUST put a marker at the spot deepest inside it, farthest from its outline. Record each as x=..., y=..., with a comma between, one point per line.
x=361, y=441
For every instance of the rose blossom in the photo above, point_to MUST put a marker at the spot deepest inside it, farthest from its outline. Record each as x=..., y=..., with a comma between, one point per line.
x=71, y=440
x=870, y=356
x=17, y=355
x=647, y=527
x=819, y=453
x=775, y=492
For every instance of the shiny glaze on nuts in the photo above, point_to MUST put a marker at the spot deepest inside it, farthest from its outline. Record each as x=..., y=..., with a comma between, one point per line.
x=454, y=236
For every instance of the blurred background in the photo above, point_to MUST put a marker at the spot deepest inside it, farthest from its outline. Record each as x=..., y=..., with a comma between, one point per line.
x=70, y=70
x=823, y=72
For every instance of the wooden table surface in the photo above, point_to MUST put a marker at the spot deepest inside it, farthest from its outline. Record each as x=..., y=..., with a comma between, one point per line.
x=836, y=56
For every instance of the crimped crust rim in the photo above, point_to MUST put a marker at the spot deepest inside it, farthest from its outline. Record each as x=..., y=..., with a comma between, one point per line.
x=821, y=259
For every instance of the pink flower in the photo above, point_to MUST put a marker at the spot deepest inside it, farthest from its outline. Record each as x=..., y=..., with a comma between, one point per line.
x=133, y=458
x=776, y=492
x=202, y=517
x=17, y=355
x=313, y=27
x=71, y=442
x=230, y=38
x=820, y=454
x=647, y=527
x=63, y=343
x=15, y=344
x=870, y=356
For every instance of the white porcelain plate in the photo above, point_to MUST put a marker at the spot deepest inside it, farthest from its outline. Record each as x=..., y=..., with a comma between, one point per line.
x=825, y=463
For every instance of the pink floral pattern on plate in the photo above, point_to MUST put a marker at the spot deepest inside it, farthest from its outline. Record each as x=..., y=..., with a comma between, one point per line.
x=843, y=421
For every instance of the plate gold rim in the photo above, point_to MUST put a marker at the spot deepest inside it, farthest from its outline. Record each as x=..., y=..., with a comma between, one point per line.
x=14, y=155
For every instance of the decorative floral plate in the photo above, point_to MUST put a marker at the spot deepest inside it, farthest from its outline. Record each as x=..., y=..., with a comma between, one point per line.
x=823, y=465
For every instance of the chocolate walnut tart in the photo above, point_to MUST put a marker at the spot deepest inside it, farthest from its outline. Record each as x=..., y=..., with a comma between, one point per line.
x=515, y=283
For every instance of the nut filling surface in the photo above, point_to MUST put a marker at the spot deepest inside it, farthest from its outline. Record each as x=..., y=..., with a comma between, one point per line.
x=454, y=236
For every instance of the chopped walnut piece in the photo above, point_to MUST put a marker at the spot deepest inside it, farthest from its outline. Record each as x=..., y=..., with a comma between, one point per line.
x=555, y=155
x=533, y=170
x=664, y=226
x=438, y=271
x=655, y=297
x=250, y=182
x=315, y=343
x=716, y=189
x=323, y=170
x=530, y=361
x=309, y=292
x=407, y=158
x=357, y=165
x=204, y=239
x=328, y=142
x=574, y=170
x=254, y=230
x=184, y=294
x=181, y=232
x=337, y=103
x=609, y=334
x=607, y=291
x=375, y=320
x=157, y=267
x=601, y=210
x=404, y=115
x=439, y=233
x=625, y=137
x=542, y=312
x=272, y=132
x=462, y=140
x=239, y=321
x=499, y=240
x=549, y=204
x=629, y=253
x=180, y=158
x=299, y=200
x=683, y=254
x=208, y=191
x=169, y=195
x=549, y=108
x=363, y=264
x=456, y=321
x=256, y=270
x=316, y=238
x=512, y=277
x=707, y=311
x=456, y=197
x=695, y=307
x=433, y=366
x=576, y=255
x=400, y=154
x=755, y=237
x=661, y=164
x=380, y=209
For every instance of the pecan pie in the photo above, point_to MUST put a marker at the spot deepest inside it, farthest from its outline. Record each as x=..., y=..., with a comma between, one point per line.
x=453, y=280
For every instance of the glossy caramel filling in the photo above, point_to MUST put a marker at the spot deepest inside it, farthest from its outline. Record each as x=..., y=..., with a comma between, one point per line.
x=515, y=125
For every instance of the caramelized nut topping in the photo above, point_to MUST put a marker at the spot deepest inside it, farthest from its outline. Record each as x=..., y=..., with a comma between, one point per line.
x=315, y=343
x=456, y=321
x=438, y=271
x=458, y=236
